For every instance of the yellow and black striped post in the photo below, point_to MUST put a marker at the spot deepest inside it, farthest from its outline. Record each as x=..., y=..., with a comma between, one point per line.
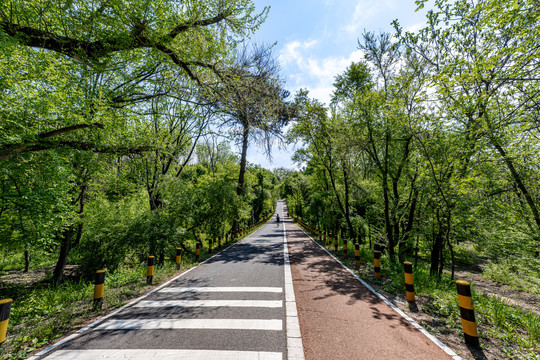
x=344, y=247
x=5, y=308
x=99, y=287
x=377, y=264
x=409, y=281
x=467, y=313
x=178, y=258
x=197, y=251
x=150, y=270
x=357, y=254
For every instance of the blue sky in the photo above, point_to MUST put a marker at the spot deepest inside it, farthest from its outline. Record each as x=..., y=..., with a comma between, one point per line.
x=317, y=40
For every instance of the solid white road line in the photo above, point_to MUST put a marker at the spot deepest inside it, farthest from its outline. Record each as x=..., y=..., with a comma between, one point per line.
x=235, y=324
x=295, y=348
x=211, y=303
x=165, y=354
x=221, y=289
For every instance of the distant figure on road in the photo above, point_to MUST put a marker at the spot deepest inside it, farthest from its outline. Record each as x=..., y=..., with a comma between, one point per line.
x=277, y=218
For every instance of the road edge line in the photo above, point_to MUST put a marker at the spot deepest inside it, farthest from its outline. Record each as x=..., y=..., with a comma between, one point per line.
x=295, y=348
x=437, y=342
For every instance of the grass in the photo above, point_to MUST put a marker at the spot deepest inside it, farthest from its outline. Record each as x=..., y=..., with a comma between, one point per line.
x=516, y=273
x=515, y=331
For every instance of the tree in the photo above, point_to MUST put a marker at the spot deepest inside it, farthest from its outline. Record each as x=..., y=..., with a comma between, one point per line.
x=81, y=72
x=482, y=58
x=252, y=101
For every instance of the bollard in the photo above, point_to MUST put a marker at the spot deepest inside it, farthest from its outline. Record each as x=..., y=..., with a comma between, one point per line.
x=150, y=270
x=357, y=254
x=468, y=321
x=344, y=248
x=99, y=287
x=178, y=258
x=210, y=245
x=197, y=251
x=377, y=264
x=409, y=283
x=5, y=308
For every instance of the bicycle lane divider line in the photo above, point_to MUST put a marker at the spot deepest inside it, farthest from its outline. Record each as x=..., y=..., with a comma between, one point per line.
x=412, y=322
x=295, y=348
x=133, y=302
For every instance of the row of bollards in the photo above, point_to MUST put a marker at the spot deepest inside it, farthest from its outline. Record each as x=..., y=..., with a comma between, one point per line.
x=99, y=280
x=468, y=321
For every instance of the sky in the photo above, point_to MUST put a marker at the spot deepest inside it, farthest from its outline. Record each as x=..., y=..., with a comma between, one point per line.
x=318, y=39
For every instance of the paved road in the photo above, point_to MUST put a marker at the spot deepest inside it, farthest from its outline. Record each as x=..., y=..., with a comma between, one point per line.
x=340, y=318
x=237, y=305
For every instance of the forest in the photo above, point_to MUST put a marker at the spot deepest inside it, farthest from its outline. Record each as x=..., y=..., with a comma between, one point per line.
x=124, y=130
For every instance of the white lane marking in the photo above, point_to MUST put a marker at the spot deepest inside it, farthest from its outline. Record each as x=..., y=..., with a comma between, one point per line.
x=152, y=324
x=211, y=303
x=221, y=289
x=295, y=348
x=437, y=342
x=166, y=354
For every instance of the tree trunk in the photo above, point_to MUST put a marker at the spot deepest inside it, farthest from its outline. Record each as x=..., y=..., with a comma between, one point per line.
x=405, y=247
x=347, y=205
x=26, y=261
x=67, y=238
x=520, y=184
x=245, y=138
x=65, y=247
x=435, y=253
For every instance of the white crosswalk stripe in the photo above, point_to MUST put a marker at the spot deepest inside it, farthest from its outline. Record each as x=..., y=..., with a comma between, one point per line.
x=164, y=354
x=220, y=289
x=211, y=303
x=153, y=324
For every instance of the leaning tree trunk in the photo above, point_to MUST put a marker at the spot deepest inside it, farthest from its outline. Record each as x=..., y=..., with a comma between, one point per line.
x=65, y=247
x=67, y=239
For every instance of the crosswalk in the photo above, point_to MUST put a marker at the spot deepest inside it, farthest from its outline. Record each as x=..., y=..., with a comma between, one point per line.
x=238, y=305
x=183, y=298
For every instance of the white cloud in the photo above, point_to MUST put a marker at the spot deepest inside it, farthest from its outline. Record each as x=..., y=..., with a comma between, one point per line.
x=365, y=11
x=308, y=71
x=291, y=51
x=414, y=28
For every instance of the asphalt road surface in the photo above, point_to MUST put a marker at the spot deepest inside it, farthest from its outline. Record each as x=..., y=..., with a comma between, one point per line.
x=234, y=306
